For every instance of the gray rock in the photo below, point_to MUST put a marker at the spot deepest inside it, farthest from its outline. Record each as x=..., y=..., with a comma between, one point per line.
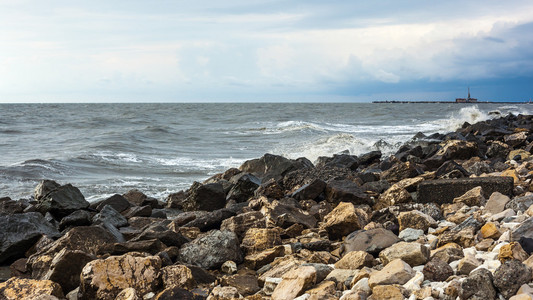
x=77, y=218
x=118, y=202
x=283, y=215
x=510, y=276
x=44, y=187
x=272, y=166
x=309, y=191
x=520, y=204
x=445, y=190
x=20, y=231
x=109, y=215
x=371, y=241
x=243, y=187
x=212, y=250
x=206, y=197
x=66, y=267
x=478, y=286
x=525, y=229
x=345, y=191
x=496, y=203
x=410, y=234
x=62, y=201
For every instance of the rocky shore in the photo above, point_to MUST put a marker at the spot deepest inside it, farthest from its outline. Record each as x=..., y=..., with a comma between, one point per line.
x=449, y=216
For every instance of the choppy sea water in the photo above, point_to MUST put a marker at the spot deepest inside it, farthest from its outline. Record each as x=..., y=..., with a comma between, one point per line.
x=105, y=149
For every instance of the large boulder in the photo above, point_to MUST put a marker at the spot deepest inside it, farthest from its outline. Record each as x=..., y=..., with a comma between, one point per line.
x=283, y=215
x=400, y=171
x=65, y=268
x=118, y=202
x=272, y=166
x=106, y=278
x=309, y=191
x=451, y=150
x=62, y=201
x=19, y=288
x=259, y=239
x=207, y=197
x=343, y=219
x=212, y=250
x=20, y=231
x=109, y=215
x=243, y=187
x=371, y=241
x=44, y=188
x=345, y=191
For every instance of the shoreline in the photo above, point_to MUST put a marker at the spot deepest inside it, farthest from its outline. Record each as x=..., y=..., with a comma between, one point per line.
x=434, y=219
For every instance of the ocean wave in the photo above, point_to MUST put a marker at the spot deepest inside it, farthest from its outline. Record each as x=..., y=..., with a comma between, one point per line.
x=115, y=157
x=200, y=165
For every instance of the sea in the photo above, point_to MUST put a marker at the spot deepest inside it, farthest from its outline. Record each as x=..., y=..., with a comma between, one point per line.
x=162, y=148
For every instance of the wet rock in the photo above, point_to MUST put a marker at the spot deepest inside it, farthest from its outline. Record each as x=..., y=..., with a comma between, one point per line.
x=105, y=278
x=272, y=166
x=211, y=220
x=510, y=276
x=117, y=202
x=371, y=241
x=416, y=220
x=478, y=285
x=283, y=215
x=343, y=219
x=355, y=260
x=451, y=169
x=109, y=215
x=242, y=222
x=345, y=191
x=20, y=288
x=212, y=250
x=295, y=282
x=259, y=239
x=20, y=231
x=414, y=254
x=178, y=276
x=206, y=197
x=138, y=198
x=338, y=161
x=44, y=188
x=8, y=206
x=496, y=203
x=77, y=218
x=62, y=201
x=243, y=187
x=309, y=191
x=445, y=190
x=395, y=272
x=437, y=270
x=138, y=211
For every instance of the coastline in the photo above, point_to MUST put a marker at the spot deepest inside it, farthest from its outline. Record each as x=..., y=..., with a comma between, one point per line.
x=446, y=208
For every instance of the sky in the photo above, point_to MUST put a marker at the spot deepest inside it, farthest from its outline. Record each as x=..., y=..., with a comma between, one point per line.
x=275, y=51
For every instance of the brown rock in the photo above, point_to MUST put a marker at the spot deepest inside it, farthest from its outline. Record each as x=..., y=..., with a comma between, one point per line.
x=490, y=231
x=323, y=290
x=257, y=260
x=467, y=265
x=105, y=278
x=245, y=284
x=128, y=294
x=259, y=239
x=437, y=270
x=342, y=220
x=242, y=222
x=355, y=260
x=511, y=173
x=280, y=267
x=511, y=251
x=282, y=215
x=65, y=268
x=391, y=292
x=400, y=171
x=448, y=253
x=414, y=254
x=392, y=196
x=177, y=276
x=416, y=220
x=473, y=197
x=21, y=288
x=496, y=203
x=395, y=272
x=295, y=282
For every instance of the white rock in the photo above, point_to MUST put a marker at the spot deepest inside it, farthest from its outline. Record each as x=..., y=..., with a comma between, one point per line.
x=303, y=297
x=510, y=225
x=505, y=237
x=470, y=251
x=454, y=264
x=270, y=285
x=414, y=283
x=418, y=268
x=502, y=215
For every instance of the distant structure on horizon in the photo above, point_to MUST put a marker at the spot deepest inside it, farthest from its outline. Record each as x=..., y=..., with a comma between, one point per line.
x=467, y=100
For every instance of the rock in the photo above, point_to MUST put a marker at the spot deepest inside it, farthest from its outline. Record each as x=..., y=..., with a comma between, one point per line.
x=324, y=290
x=283, y=215
x=395, y=272
x=371, y=241
x=496, y=203
x=338, y=161
x=524, y=230
x=520, y=153
x=478, y=285
x=225, y=293
x=152, y=246
x=437, y=270
x=497, y=149
x=20, y=288
x=239, y=224
x=272, y=166
x=65, y=268
x=62, y=201
x=177, y=293
x=309, y=191
x=515, y=139
x=390, y=292
x=243, y=187
x=128, y=294
x=138, y=198
x=77, y=218
x=44, y=188
x=295, y=282
x=162, y=233
x=343, y=219
x=258, y=260
x=106, y=278
x=467, y=265
x=109, y=215
x=117, y=202
x=448, y=253
x=244, y=283
x=510, y=276
x=341, y=275
x=445, y=190
x=463, y=234
x=355, y=260
x=473, y=197
x=451, y=169
x=512, y=251
x=414, y=254
x=177, y=276
x=416, y=220
x=345, y=191
x=490, y=231
x=9, y=207
x=137, y=211
x=212, y=250
x=394, y=195
x=259, y=239
x=400, y=171
x=211, y=220
x=520, y=204
x=207, y=197
x=452, y=150
x=410, y=234
x=229, y=267
x=20, y=231
x=270, y=189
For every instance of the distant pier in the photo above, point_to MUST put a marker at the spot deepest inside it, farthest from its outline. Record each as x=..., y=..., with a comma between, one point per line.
x=454, y=102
